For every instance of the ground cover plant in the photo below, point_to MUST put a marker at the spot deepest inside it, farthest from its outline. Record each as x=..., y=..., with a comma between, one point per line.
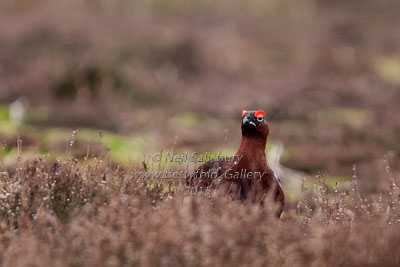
x=91, y=89
x=72, y=213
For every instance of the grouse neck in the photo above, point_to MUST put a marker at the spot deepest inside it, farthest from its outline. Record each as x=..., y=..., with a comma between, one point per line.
x=252, y=145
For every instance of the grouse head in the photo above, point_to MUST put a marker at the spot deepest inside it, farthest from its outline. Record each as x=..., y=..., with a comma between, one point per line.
x=254, y=124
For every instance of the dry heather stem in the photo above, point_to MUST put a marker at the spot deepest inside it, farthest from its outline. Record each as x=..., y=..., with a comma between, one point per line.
x=67, y=214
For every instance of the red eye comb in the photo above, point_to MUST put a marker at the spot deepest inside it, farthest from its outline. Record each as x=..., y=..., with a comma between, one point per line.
x=243, y=112
x=259, y=113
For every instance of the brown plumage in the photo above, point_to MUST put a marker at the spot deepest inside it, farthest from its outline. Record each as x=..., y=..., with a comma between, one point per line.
x=233, y=176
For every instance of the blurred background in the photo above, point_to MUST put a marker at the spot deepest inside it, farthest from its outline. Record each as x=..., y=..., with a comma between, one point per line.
x=149, y=75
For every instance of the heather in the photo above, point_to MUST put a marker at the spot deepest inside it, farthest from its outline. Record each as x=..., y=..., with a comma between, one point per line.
x=92, y=90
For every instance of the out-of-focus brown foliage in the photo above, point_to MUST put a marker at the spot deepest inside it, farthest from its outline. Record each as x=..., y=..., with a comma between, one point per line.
x=326, y=73
x=291, y=58
x=76, y=214
x=159, y=74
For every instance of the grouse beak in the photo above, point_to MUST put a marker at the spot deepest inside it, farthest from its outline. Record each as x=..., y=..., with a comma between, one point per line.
x=247, y=122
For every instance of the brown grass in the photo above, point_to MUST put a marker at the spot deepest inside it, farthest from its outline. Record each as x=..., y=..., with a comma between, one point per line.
x=88, y=214
x=179, y=72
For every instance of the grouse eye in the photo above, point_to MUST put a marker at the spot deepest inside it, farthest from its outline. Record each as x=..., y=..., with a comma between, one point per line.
x=260, y=118
x=259, y=113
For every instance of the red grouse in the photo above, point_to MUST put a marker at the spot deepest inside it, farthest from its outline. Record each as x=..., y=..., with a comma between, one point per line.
x=248, y=176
